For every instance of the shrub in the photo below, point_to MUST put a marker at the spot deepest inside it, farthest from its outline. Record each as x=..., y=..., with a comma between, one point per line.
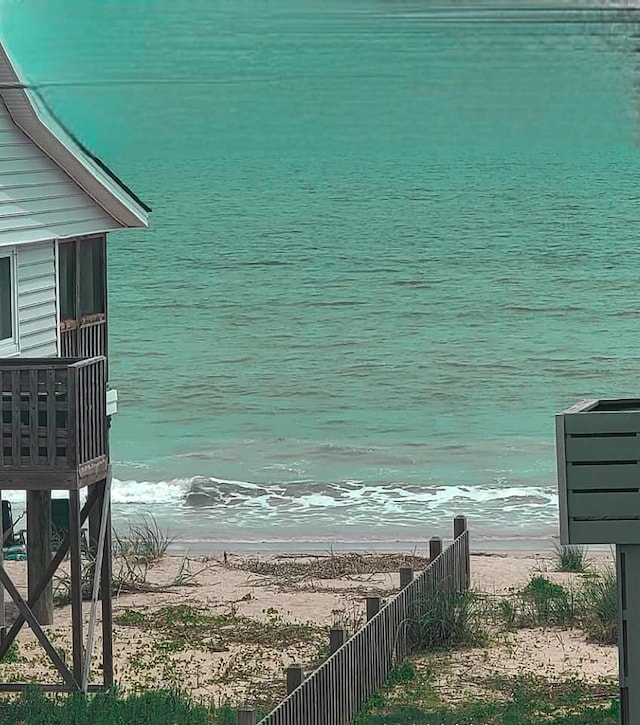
x=599, y=605
x=549, y=604
x=571, y=558
x=447, y=619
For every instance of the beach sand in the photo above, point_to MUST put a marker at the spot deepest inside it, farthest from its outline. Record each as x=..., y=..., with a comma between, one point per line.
x=225, y=631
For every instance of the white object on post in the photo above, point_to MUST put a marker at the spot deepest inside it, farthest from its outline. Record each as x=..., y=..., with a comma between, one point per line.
x=112, y=401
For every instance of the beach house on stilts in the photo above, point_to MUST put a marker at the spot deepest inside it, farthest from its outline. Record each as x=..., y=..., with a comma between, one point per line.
x=58, y=202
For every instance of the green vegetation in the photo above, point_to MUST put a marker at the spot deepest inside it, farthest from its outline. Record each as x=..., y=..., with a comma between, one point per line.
x=144, y=543
x=150, y=708
x=447, y=619
x=182, y=626
x=599, y=607
x=571, y=559
x=591, y=606
x=542, y=603
x=134, y=553
x=469, y=620
x=410, y=699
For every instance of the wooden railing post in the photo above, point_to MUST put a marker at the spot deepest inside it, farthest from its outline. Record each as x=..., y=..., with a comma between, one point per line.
x=337, y=636
x=373, y=607
x=295, y=676
x=459, y=527
x=246, y=716
x=406, y=575
x=435, y=547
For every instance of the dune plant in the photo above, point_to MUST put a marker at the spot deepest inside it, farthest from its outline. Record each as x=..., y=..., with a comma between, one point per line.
x=599, y=605
x=159, y=707
x=447, y=619
x=571, y=558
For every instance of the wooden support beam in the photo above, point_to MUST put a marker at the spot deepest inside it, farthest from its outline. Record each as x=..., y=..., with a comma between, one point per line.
x=97, y=573
x=94, y=522
x=46, y=577
x=76, y=584
x=105, y=596
x=3, y=625
x=39, y=552
x=26, y=612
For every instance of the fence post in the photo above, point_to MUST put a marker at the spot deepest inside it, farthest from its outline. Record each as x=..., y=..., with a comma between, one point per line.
x=373, y=607
x=435, y=547
x=459, y=527
x=246, y=716
x=336, y=638
x=295, y=675
x=406, y=575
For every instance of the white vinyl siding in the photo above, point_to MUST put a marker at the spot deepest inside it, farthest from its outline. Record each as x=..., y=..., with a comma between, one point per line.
x=36, y=292
x=38, y=201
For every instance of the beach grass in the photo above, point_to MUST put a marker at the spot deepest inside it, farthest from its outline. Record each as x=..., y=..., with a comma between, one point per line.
x=159, y=707
x=571, y=558
x=410, y=698
x=417, y=692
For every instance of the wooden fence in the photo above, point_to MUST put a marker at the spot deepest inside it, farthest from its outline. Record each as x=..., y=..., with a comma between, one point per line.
x=336, y=691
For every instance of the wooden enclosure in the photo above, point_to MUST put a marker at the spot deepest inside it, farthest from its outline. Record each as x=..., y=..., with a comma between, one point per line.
x=598, y=456
x=53, y=424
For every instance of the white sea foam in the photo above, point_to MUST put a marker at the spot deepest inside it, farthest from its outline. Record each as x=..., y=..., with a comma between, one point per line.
x=149, y=492
x=388, y=498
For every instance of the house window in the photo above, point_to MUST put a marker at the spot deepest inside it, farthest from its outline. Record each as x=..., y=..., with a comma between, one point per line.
x=7, y=322
x=91, y=270
x=81, y=279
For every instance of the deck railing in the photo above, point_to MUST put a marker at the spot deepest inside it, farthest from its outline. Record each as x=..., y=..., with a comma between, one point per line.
x=336, y=691
x=52, y=420
x=87, y=338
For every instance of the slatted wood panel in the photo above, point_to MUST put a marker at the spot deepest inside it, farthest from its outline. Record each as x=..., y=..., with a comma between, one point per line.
x=336, y=691
x=598, y=445
x=52, y=419
x=86, y=340
x=91, y=406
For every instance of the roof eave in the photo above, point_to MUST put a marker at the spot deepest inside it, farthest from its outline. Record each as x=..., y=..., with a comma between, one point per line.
x=31, y=115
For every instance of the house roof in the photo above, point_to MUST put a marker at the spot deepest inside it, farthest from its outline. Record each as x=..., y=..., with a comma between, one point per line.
x=31, y=114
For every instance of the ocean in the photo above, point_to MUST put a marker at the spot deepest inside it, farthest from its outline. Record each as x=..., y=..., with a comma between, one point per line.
x=389, y=241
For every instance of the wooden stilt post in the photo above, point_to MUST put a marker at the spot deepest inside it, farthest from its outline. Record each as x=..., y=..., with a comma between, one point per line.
x=105, y=495
x=105, y=596
x=627, y=565
x=3, y=625
x=94, y=524
x=39, y=551
x=76, y=584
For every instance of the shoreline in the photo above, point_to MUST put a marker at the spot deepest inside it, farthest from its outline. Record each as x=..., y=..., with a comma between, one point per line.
x=479, y=545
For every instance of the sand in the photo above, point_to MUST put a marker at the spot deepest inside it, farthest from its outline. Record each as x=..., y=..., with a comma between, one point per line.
x=196, y=628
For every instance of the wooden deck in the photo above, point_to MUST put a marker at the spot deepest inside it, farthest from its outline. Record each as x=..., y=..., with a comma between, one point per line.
x=53, y=423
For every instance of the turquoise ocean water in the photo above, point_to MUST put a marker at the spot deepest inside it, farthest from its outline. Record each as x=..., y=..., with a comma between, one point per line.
x=390, y=240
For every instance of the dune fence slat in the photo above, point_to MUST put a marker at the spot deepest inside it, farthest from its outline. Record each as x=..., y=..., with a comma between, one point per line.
x=336, y=691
